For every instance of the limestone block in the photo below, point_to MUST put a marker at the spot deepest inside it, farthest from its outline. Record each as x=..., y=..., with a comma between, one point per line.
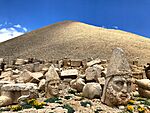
x=3, y=83
x=29, y=67
x=92, y=73
x=14, y=91
x=92, y=90
x=19, y=61
x=103, y=61
x=93, y=62
x=27, y=76
x=37, y=67
x=66, y=62
x=6, y=76
x=76, y=62
x=69, y=73
x=19, y=87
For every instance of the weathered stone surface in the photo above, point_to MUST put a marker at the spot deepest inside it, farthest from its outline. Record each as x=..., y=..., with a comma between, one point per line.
x=28, y=67
x=101, y=81
x=138, y=75
x=3, y=83
x=5, y=101
x=78, y=84
x=66, y=62
x=93, y=62
x=69, y=73
x=16, y=72
x=42, y=84
x=144, y=92
x=118, y=80
x=103, y=61
x=13, y=91
x=19, y=61
x=6, y=76
x=143, y=87
x=92, y=73
x=19, y=87
x=143, y=83
x=92, y=90
x=27, y=76
x=76, y=62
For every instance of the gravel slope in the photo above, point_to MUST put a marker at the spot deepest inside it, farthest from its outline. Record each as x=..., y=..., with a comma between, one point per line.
x=75, y=40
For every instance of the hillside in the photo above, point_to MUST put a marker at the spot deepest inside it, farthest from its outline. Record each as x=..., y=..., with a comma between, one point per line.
x=75, y=40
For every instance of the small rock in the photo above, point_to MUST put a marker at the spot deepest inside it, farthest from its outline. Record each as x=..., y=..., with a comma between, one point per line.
x=91, y=90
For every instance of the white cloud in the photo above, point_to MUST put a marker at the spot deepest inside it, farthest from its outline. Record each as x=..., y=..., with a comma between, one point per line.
x=116, y=27
x=17, y=26
x=25, y=29
x=7, y=33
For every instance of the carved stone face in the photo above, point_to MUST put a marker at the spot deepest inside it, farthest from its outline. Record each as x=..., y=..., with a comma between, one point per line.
x=52, y=88
x=118, y=90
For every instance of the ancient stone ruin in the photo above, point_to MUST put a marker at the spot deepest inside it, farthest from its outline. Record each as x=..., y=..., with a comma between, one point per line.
x=74, y=85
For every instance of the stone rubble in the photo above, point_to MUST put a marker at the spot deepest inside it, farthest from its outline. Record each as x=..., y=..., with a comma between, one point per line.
x=75, y=81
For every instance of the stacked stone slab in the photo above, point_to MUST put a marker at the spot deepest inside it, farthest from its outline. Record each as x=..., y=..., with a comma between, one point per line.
x=11, y=92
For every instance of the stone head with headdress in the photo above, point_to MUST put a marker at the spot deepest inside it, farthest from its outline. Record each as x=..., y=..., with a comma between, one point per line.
x=118, y=80
x=52, y=82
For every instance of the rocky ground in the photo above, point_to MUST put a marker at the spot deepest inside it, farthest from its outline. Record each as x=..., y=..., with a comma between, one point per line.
x=71, y=98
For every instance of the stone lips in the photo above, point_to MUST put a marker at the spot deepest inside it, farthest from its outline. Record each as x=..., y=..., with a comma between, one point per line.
x=75, y=40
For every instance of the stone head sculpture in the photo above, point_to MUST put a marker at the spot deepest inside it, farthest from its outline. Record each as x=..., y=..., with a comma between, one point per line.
x=118, y=80
x=52, y=83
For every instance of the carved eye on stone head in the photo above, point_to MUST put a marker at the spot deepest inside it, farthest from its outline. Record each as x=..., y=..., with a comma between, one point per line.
x=129, y=83
x=120, y=83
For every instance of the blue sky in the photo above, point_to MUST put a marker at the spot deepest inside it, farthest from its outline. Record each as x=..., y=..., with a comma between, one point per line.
x=20, y=16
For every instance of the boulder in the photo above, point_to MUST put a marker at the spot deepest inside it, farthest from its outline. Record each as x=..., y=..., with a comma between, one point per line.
x=92, y=90
x=143, y=83
x=78, y=84
x=143, y=87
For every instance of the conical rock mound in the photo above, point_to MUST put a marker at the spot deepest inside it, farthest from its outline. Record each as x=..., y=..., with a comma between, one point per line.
x=75, y=40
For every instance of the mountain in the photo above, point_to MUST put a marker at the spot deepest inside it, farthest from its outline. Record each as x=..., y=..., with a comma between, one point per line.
x=75, y=40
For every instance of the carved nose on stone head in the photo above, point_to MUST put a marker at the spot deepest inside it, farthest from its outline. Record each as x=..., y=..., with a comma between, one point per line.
x=124, y=89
